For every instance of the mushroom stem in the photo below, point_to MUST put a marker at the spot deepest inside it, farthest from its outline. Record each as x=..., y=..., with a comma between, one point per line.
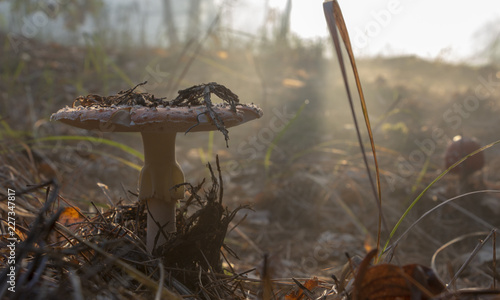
x=160, y=174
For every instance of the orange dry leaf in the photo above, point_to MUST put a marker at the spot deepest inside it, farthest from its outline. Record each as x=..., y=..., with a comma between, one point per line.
x=391, y=282
x=70, y=216
x=309, y=285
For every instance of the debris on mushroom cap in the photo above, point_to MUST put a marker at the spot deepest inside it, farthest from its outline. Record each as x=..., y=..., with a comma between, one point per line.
x=459, y=148
x=193, y=96
x=139, y=118
x=197, y=95
x=128, y=110
x=128, y=97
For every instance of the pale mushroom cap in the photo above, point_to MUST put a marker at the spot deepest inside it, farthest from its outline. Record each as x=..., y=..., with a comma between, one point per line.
x=120, y=118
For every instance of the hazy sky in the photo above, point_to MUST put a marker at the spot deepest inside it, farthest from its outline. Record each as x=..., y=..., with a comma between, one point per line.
x=430, y=28
x=447, y=29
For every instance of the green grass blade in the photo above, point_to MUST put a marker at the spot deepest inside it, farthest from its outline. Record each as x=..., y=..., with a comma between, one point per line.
x=121, y=73
x=421, y=175
x=94, y=140
x=6, y=129
x=274, y=142
x=122, y=160
x=101, y=153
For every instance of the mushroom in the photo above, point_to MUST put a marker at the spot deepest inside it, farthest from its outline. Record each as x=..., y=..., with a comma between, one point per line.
x=161, y=175
x=458, y=149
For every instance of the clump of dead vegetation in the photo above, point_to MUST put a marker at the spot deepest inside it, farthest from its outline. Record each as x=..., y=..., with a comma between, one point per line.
x=62, y=250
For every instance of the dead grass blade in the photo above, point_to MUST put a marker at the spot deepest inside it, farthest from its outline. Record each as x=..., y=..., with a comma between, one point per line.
x=455, y=240
x=471, y=256
x=335, y=21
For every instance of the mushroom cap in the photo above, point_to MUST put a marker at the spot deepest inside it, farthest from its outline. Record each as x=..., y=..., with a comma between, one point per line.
x=122, y=118
x=459, y=148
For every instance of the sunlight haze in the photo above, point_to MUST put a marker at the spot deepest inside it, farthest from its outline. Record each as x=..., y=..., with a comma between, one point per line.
x=431, y=29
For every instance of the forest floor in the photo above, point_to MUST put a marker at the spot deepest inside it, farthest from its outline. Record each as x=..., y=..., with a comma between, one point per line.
x=299, y=168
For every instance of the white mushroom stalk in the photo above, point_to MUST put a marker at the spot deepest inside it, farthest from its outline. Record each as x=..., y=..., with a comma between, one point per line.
x=158, y=126
x=157, y=185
